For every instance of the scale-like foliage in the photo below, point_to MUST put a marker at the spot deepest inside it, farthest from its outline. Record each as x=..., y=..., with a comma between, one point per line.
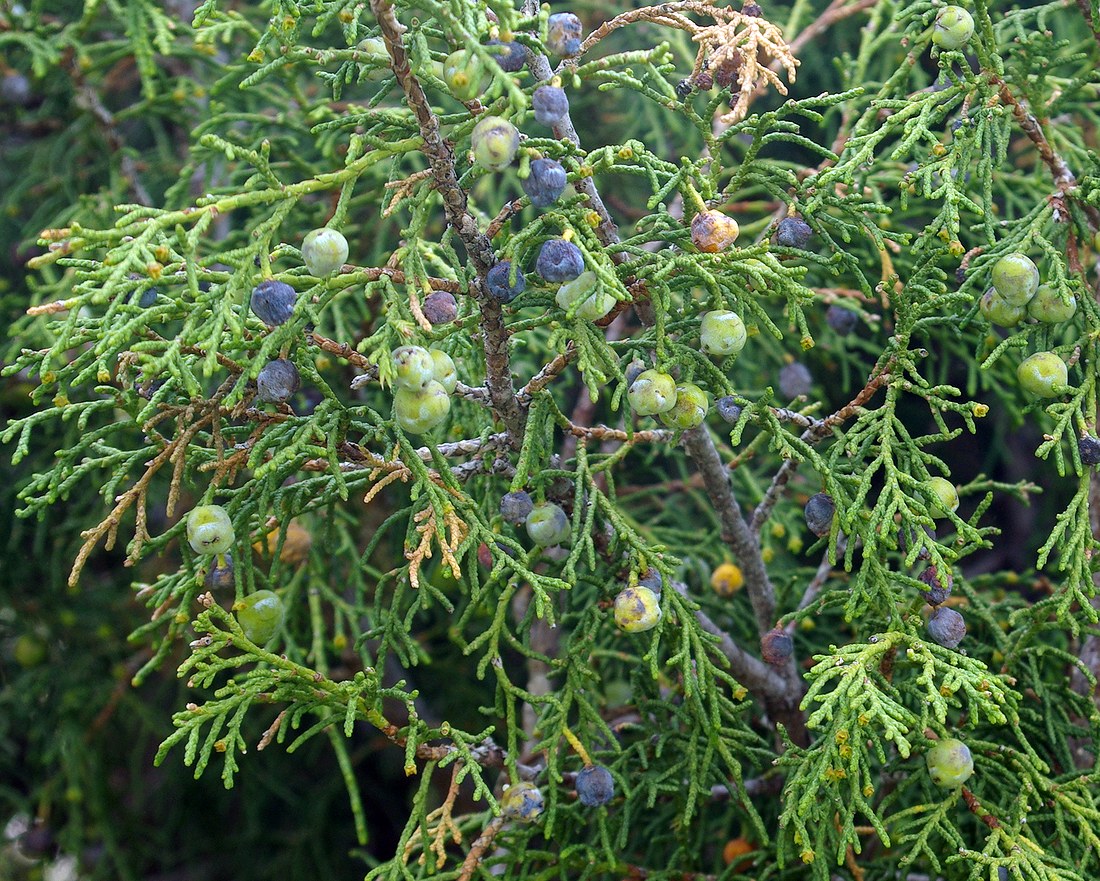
x=769, y=711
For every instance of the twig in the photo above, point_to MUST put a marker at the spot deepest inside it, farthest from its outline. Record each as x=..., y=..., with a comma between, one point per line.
x=547, y=375
x=494, y=335
x=735, y=531
x=478, y=848
x=1064, y=178
x=782, y=708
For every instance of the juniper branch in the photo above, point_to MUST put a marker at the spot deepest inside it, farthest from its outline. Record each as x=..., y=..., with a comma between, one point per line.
x=478, y=247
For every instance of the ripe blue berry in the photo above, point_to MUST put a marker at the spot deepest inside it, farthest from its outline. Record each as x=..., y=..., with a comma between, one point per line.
x=637, y=609
x=413, y=366
x=209, y=530
x=550, y=104
x=722, y=333
x=652, y=579
x=510, y=55
x=220, y=576
x=546, y=182
x=795, y=379
x=515, y=506
x=712, y=231
x=273, y=302
x=953, y=28
x=950, y=763
x=463, y=72
x=1043, y=375
x=443, y=370
x=547, y=525
x=494, y=141
x=842, y=320
x=324, y=251
x=1048, y=305
x=559, y=261
x=651, y=393
x=15, y=89
x=420, y=410
x=1088, y=448
x=595, y=786
x=585, y=297
x=946, y=627
x=997, y=310
x=776, y=646
x=260, y=615
x=498, y=284
x=440, y=307
x=945, y=498
x=793, y=232
x=277, y=381
x=563, y=34
x=1016, y=278
x=819, y=512
x=633, y=370
x=727, y=408
x=522, y=801
x=689, y=410
x=939, y=586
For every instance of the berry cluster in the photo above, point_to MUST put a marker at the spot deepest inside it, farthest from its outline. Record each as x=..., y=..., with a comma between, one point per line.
x=425, y=380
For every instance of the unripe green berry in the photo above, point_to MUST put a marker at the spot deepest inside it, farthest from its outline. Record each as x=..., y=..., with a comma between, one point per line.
x=1043, y=375
x=637, y=609
x=522, y=801
x=443, y=370
x=29, y=651
x=950, y=763
x=945, y=498
x=209, y=530
x=374, y=48
x=463, y=72
x=548, y=525
x=585, y=296
x=722, y=333
x=689, y=409
x=495, y=142
x=1016, y=278
x=324, y=251
x=420, y=410
x=651, y=393
x=1048, y=305
x=414, y=367
x=997, y=310
x=953, y=28
x=260, y=615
